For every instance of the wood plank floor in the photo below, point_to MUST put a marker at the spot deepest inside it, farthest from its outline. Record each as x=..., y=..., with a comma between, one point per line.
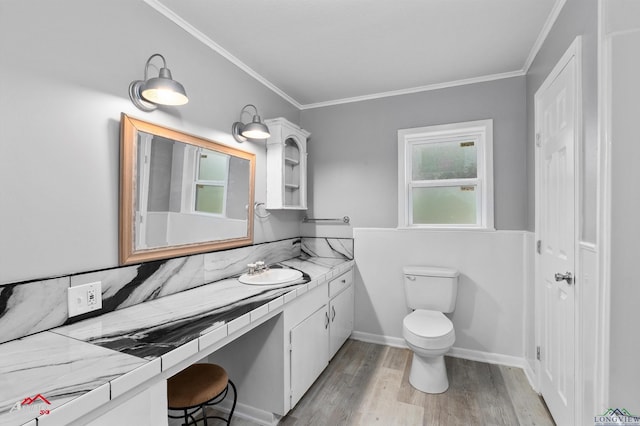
x=368, y=384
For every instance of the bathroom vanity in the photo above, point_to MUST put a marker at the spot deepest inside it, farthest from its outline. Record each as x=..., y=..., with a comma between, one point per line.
x=175, y=299
x=315, y=339
x=118, y=372
x=293, y=349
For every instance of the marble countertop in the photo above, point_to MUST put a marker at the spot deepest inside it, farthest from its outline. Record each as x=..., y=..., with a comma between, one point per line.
x=72, y=369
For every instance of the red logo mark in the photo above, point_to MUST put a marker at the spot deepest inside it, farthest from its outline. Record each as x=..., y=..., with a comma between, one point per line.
x=28, y=404
x=29, y=401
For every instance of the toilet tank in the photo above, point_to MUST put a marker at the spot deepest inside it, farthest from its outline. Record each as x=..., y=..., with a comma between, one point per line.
x=430, y=287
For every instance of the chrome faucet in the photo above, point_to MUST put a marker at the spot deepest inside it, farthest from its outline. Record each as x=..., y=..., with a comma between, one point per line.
x=257, y=267
x=252, y=268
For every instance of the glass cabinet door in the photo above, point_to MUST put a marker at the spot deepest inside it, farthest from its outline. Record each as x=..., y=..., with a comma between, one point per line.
x=291, y=173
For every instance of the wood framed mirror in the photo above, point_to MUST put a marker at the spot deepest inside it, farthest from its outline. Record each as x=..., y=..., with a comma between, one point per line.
x=181, y=194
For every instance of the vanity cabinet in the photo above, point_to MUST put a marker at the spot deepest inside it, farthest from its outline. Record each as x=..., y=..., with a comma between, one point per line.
x=316, y=339
x=286, y=165
x=341, y=310
x=287, y=353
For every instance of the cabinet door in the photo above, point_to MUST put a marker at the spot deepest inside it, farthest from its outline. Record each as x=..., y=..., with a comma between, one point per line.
x=309, y=352
x=341, y=312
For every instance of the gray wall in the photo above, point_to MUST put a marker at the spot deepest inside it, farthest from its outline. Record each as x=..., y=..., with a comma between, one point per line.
x=161, y=162
x=238, y=190
x=65, y=72
x=623, y=29
x=353, y=161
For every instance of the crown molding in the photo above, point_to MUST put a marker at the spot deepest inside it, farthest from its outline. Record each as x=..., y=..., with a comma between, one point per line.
x=418, y=89
x=199, y=35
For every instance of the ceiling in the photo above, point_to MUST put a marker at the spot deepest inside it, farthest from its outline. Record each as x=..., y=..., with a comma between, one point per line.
x=322, y=52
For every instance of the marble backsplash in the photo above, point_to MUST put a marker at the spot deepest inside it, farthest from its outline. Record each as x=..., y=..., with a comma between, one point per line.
x=31, y=307
x=337, y=248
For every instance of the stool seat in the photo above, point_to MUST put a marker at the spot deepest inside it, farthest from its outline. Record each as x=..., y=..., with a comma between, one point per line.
x=196, y=385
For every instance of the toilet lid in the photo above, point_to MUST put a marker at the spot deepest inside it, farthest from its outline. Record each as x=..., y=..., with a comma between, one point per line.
x=429, y=324
x=428, y=330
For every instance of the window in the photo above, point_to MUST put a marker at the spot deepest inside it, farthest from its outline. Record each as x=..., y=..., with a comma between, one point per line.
x=445, y=176
x=211, y=182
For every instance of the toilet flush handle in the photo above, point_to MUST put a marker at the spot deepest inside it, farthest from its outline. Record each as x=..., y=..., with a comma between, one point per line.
x=411, y=278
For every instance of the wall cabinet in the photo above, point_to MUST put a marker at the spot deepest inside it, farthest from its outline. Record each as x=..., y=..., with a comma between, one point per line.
x=286, y=165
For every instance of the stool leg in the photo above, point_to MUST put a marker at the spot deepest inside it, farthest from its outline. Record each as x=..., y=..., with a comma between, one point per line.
x=235, y=399
x=204, y=415
x=193, y=419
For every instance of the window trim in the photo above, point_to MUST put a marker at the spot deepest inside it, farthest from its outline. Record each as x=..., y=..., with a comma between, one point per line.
x=482, y=132
x=224, y=184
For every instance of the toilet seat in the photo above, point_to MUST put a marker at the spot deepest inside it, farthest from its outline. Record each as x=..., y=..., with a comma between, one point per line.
x=428, y=329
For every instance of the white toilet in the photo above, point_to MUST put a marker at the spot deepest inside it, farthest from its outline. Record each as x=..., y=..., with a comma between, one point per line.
x=429, y=291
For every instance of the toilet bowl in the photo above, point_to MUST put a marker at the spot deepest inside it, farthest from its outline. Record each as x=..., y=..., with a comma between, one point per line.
x=429, y=291
x=429, y=334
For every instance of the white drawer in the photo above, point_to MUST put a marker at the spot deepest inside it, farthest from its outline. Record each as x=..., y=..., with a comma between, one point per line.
x=340, y=282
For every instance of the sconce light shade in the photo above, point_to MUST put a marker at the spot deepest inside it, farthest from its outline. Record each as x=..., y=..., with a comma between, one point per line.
x=255, y=131
x=147, y=94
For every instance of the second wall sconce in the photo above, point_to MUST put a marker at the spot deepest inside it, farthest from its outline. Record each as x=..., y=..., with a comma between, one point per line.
x=147, y=94
x=256, y=131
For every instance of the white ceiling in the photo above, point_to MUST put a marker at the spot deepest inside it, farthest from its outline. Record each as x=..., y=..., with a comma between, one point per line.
x=319, y=52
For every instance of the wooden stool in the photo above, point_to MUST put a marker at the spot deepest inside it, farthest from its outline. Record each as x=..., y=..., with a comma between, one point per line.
x=196, y=387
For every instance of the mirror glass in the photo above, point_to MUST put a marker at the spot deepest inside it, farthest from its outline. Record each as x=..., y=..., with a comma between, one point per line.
x=181, y=194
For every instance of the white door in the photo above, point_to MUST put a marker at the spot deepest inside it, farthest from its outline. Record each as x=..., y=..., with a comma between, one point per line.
x=556, y=133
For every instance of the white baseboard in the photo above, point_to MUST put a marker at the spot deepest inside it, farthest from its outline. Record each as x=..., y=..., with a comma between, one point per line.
x=470, y=354
x=378, y=339
x=530, y=372
x=488, y=357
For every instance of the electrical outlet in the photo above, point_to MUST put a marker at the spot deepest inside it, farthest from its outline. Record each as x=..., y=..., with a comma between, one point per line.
x=84, y=298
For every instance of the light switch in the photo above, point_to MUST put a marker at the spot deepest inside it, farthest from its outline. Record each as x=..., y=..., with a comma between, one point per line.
x=85, y=298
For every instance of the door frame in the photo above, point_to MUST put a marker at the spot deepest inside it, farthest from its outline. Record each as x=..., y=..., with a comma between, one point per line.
x=601, y=379
x=573, y=52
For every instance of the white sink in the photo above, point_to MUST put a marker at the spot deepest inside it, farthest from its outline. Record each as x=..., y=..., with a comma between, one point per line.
x=271, y=276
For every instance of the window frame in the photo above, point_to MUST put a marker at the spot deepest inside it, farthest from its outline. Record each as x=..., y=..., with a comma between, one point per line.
x=481, y=132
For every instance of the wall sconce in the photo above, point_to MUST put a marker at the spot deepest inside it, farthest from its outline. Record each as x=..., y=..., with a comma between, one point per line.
x=147, y=94
x=255, y=131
